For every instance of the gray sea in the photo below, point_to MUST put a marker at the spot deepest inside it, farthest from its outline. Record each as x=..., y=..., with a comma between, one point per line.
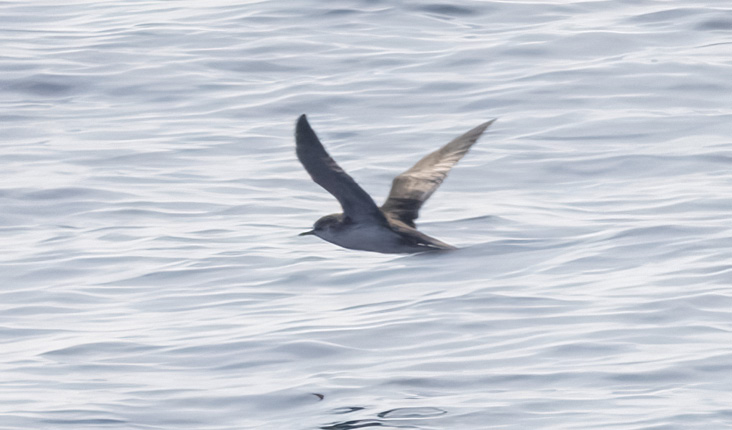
x=151, y=272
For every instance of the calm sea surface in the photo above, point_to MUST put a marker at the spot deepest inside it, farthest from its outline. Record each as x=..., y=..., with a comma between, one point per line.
x=151, y=276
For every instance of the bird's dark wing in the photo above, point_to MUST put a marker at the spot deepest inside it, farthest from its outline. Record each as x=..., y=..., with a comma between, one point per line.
x=356, y=202
x=413, y=187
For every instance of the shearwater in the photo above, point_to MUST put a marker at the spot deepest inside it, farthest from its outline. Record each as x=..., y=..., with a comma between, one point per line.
x=365, y=226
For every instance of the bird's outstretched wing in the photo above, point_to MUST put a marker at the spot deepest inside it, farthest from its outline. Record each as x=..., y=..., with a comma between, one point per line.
x=412, y=188
x=356, y=203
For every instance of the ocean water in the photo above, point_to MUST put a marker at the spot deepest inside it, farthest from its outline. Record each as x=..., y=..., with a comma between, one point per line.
x=151, y=276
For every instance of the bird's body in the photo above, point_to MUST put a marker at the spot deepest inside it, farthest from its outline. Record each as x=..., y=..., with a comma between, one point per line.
x=363, y=236
x=365, y=226
x=390, y=237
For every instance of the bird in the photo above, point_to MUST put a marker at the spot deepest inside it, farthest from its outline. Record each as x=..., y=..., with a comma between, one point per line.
x=363, y=225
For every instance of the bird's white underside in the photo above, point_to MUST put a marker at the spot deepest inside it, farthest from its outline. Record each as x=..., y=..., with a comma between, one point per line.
x=366, y=237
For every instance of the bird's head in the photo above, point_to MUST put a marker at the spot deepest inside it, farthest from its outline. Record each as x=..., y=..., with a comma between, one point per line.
x=325, y=225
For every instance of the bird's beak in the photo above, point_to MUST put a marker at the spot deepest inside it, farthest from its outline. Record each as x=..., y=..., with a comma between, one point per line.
x=307, y=233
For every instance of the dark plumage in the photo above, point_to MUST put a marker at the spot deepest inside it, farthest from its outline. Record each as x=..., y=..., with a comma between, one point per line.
x=365, y=226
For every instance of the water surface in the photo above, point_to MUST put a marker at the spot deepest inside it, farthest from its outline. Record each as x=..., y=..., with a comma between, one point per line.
x=152, y=276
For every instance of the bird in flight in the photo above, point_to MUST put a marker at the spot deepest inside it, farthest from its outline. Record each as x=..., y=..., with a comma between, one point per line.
x=365, y=226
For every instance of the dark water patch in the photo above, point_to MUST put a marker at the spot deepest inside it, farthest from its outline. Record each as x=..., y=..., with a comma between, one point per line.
x=256, y=66
x=39, y=88
x=447, y=9
x=33, y=310
x=715, y=24
x=101, y=349
x=341, y=12
x=671, y=16
x=310, y=349
x=17, y=333
x=103, y=422
x=74, y=193
x=49, y=86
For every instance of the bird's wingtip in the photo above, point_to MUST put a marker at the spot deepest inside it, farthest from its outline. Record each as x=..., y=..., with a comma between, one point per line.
x=489, y=122
x=477, y=131
x=303, y=126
